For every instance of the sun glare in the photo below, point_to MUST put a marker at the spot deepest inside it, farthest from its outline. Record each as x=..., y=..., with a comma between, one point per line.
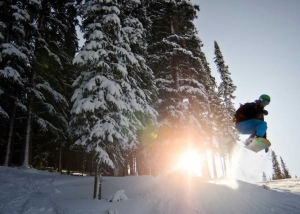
x=190, y=162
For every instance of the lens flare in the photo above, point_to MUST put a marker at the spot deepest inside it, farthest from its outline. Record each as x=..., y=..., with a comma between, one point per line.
x=153, y=135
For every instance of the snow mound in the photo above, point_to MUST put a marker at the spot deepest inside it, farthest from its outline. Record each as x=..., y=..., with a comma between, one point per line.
x=118, y=196
x=112, y=211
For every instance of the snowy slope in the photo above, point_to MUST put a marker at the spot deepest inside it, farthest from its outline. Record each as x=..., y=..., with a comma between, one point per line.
x=284, y=185
x=31, y=192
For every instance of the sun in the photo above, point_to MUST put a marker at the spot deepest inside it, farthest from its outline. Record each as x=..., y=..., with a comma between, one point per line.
x=190, y=161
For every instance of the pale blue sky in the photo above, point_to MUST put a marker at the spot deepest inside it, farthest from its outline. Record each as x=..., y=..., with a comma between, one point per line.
x=260, y=43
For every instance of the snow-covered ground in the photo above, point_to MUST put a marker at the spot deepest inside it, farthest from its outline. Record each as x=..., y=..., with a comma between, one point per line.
x=30, y=192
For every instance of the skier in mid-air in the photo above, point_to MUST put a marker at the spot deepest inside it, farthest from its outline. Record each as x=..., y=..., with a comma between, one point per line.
x=249, y=118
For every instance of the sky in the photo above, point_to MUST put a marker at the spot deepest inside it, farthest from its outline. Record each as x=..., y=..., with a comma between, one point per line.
x=34, y=192
x=259, y=41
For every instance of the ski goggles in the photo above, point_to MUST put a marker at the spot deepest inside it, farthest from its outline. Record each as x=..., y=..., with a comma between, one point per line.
x=266, y=102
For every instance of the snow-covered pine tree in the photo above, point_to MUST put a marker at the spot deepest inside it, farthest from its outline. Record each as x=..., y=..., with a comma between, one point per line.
x=112, y=95
x=214, y=113
x=286, y=173
x=46, y=32
x=54, y=73
x=135, y=18
x=174, y=56
x=277, y=174
x=15, y=55
x=225, y=91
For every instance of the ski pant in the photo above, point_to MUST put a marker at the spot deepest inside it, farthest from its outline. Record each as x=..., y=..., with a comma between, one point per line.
x=252, y=126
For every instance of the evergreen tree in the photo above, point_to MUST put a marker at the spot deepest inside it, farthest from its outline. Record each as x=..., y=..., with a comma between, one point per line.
x=112, y=95
x=38, y=43
x=225, y=91
x=47, y=107
x=54, y=74
x=214, y=112
x=286, y=173
x=15, y=56
x=174, y=56
x=264, y=178
x=135, y=26
x=277, y=174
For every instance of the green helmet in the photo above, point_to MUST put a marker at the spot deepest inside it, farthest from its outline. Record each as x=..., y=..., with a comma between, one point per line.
x=265, y=97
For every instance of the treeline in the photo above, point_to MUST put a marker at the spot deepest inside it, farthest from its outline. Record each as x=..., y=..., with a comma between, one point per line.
x=279, y=171
x=138, y=93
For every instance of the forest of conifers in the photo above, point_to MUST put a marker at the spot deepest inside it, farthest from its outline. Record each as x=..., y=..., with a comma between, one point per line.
x=132, y=98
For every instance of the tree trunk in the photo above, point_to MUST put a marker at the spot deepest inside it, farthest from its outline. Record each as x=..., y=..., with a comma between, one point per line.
x=214, y=164
x=60, y=161
x=69, y=162
x=10, y=137
x=83, y=161
x=224, y=162
x=96, y=183
x=222, y=165
x=100, y=182
x=27, y=133
x=205, y=169
x=131, y=162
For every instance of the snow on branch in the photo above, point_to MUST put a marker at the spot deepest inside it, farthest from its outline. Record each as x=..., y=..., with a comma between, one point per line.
x=84, y=56
x=50, y=109
x=12, y=75
x=130, y=56
x=112, y=18
x=97, y=34
x=103, y=157
x=111, y=9
x=3, y=113
x=36, y=2
x=11, y=50
x=21, y=105
x=94, y=26
x=36, y=93
x=45, y=126
x=57, y=96
x=92, y=45
x=53, y=55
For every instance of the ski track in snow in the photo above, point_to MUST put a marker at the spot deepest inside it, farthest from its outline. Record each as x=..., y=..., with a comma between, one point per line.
x=27, y=196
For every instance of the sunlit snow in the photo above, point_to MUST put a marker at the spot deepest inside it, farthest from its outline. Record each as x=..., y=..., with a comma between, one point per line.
x=31, y=192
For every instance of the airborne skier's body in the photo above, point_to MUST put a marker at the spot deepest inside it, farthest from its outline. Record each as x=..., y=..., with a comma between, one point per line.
x=249, y=118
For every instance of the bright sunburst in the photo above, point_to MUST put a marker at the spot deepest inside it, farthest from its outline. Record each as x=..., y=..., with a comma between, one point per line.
x=190, y=162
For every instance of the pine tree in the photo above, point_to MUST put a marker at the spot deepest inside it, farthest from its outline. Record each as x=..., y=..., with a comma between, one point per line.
x=225, y=91
x=54, y=74
x=286, y=173
x=174, y=56
x=15, y=55
x=46, y=106
x=214, y=112
x=264, y=178
x=277, y=174
x=112, y=95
